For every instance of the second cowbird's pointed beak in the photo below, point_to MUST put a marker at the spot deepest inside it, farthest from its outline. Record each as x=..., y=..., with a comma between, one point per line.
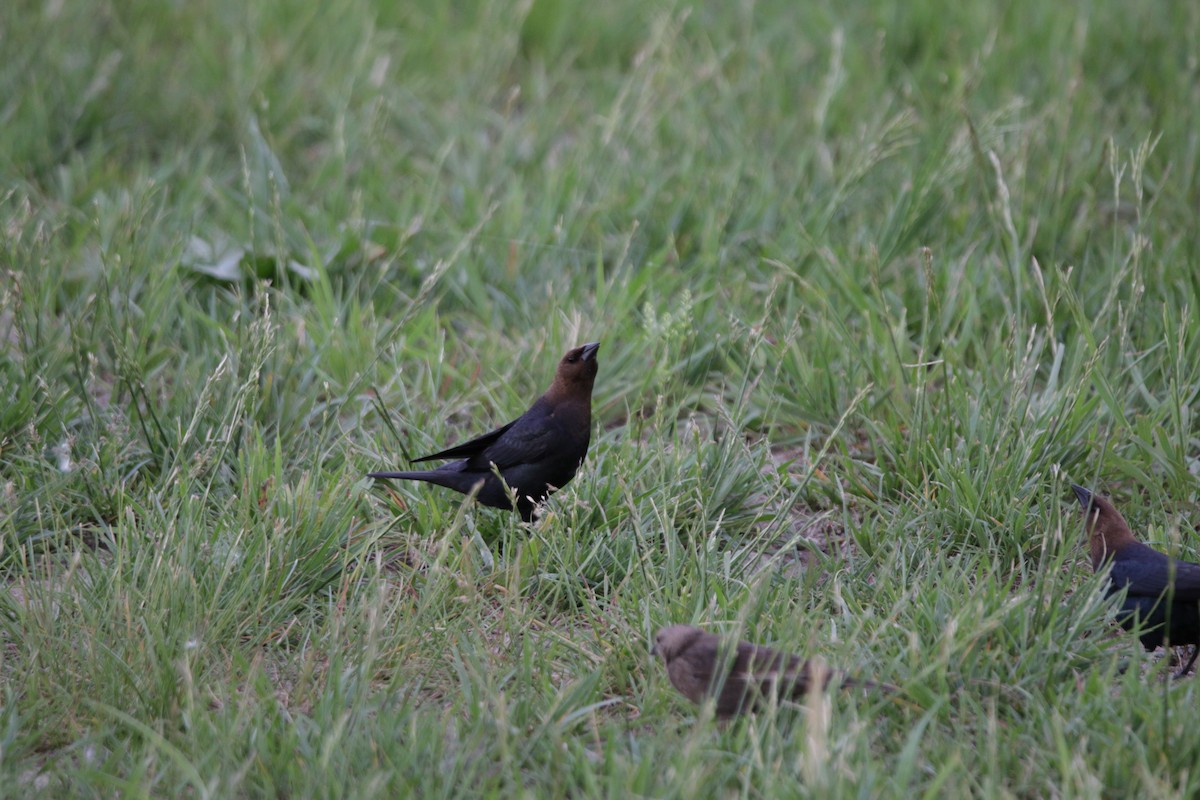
x=589, y=350
x=1083, y=495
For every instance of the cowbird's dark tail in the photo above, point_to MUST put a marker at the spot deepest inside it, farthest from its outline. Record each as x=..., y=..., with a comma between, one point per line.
x=458, y=481
x=448, y=476
x=404, y=476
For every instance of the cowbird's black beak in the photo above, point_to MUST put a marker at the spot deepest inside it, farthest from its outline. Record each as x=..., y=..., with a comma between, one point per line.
x=589, y=350
x=654, y=649
x=1083, y=495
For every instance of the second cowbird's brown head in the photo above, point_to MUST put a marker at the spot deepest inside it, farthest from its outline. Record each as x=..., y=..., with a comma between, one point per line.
x=1108, y=533
x=576, y=374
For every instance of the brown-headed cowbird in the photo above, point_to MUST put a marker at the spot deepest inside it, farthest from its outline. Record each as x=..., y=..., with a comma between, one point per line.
x=535, y=454
x=1163, y=592
x=754, y=672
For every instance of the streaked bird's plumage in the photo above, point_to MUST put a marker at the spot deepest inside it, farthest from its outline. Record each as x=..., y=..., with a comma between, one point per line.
x=693, y=658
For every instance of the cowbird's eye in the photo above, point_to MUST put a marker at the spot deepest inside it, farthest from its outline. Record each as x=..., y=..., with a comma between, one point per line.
x=571, y=359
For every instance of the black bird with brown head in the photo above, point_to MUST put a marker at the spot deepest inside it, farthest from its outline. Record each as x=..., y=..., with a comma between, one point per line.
x=535, y=454
x=1162, y=592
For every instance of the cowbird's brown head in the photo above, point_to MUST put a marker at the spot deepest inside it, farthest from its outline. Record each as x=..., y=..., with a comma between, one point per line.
x=1107, y=530
x=576, y=374
x=673, y=640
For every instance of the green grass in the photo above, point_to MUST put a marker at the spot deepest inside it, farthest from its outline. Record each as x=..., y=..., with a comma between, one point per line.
x=873, y=282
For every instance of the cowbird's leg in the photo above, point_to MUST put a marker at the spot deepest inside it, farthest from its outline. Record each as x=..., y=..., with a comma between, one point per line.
x=1187, y=667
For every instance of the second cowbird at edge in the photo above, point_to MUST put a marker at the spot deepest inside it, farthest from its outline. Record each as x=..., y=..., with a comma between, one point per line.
x=1163, y=592
x=535, y=454
x=692, y=655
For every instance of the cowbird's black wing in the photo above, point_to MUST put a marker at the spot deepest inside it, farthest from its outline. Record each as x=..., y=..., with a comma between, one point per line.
x=1150, y=577
x=471, y=448
x=526, y=440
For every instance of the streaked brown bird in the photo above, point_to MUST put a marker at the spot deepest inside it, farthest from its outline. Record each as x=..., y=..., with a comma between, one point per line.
x=1163, y=592
x=535, y=454
x=754, y=672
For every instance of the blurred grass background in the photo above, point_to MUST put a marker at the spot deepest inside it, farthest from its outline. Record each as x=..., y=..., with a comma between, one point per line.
x=873, y=280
